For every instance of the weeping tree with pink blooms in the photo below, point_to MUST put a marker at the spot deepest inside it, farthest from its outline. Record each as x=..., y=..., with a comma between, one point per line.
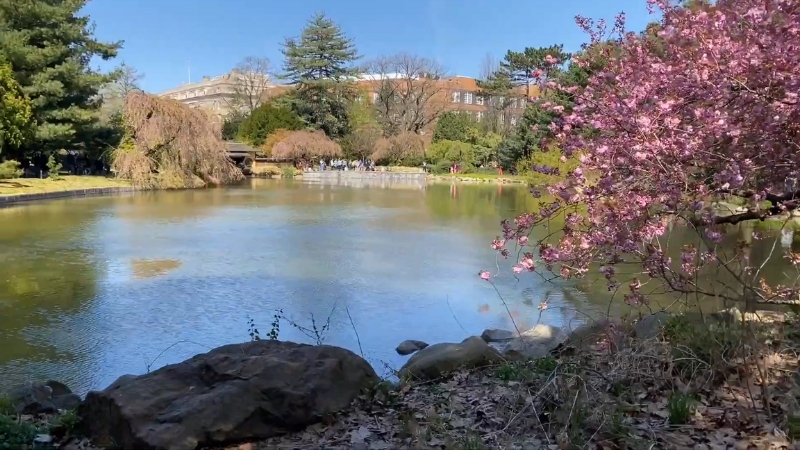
x=703, y=107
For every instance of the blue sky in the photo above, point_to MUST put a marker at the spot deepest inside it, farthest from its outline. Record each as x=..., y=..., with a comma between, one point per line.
x=164, y=38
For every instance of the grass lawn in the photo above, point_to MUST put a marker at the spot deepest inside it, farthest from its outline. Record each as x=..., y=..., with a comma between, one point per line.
x=67, y=183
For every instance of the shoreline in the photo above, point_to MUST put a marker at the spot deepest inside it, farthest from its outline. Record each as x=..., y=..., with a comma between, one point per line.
x=475, y=180
x=444, y=392
x=15, y=199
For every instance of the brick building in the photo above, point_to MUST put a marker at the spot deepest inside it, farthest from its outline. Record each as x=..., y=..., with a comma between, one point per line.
x=456, y=93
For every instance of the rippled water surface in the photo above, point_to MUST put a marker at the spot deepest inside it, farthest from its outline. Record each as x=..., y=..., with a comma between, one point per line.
x=94, y=288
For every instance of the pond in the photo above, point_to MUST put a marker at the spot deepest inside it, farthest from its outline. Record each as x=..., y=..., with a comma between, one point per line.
x=94, y=288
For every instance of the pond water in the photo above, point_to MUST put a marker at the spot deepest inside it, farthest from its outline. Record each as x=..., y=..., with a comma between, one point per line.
x=94, y=288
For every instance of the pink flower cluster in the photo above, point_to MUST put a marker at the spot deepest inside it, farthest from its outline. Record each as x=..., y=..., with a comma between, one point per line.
x=704, y=104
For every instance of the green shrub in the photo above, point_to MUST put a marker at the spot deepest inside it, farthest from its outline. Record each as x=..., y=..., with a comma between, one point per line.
x=442, y=167
x=265, y=120
x=53, y=167
x=453, y=126
x=289, y=172
x=530, y=167
x=15, y=434
x=451, y=151
x=10, y=169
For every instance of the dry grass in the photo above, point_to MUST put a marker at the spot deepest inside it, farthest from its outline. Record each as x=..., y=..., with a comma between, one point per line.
x=19, y=186
x=648, y=394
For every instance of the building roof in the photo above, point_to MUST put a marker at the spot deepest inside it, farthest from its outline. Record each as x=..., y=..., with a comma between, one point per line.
x=238, y=147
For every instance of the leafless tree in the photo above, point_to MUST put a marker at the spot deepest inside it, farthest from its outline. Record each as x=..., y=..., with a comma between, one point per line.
x=410, y=92
x=489, y=66
x=129, y=80
x=497, y=94
x=250, y=85
x=114, y=93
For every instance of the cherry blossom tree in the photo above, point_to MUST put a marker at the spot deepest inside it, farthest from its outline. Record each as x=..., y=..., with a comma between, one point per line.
x=703, y=107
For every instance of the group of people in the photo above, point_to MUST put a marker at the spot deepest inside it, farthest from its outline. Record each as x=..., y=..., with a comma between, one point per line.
x=342, y=164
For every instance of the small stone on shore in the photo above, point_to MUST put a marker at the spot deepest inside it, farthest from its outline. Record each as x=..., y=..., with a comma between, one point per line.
x=410, y=346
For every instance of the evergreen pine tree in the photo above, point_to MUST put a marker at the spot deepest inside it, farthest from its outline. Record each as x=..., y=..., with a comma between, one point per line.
x=15, y=111
x=520, y=66
x=50, y=46
x=318, y=62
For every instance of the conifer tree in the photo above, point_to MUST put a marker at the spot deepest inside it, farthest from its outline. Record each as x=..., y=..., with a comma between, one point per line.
x=50, y=46
x=319, y=63
x=15, y=111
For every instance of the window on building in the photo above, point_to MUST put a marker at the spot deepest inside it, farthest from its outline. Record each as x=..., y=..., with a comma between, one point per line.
x=468, y=98
x=479, y=100
x=456, y=97
x=513, y=121
x=374, y=97
x=501, y=101
x=479, y=116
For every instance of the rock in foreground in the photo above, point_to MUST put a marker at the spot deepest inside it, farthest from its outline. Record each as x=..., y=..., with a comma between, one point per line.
x=233, y=393
x=438, y=359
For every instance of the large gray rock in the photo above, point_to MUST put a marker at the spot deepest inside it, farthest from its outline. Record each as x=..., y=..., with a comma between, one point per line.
x=535, y=343
x=438, y=359
x=410, y=346
x=238, y=392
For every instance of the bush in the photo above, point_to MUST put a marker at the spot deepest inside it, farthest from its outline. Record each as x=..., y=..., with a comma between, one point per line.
x=53, y=167
x=268, y=171
x=544, y=168
x=230, y=126
x=451, y=151
x=289, y=172
x=265, y=120
x=265, y=149
x=441, y=167
x=10, y=169
x=453, y=126
x=15, y=434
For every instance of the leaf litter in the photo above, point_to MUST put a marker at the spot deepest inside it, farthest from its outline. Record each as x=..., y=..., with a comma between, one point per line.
x=590, y=399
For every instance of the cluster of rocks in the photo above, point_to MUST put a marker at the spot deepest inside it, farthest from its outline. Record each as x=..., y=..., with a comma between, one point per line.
x=492, y=347
x=49, y=397
x=257, y=390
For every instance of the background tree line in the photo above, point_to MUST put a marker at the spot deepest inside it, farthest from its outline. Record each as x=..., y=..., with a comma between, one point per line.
x=406, y=121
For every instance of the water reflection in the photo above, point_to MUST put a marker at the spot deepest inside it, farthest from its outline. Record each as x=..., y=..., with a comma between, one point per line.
x=148, y=268
x=94, y=288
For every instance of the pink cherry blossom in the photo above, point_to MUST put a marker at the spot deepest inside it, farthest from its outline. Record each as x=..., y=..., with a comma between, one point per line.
x=702, y=106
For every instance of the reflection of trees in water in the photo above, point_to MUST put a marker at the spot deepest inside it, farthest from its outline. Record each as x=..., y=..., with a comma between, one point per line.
x=478, y=201
x=149, y=268
x=567, y=305
x=765, y=253
x=48, y=270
